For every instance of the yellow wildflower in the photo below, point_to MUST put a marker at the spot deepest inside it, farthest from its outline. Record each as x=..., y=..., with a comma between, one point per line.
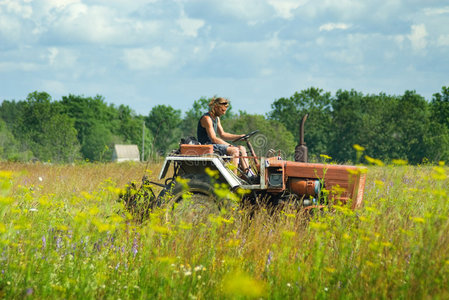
x=358, y=148
x=379, y=182
x=94, y=211
x=233, y=243
x=6, y=200
x=439, y=173
x=324, y=156
x=418, y=220
x=288, y=234
x=374, y=161
x=399, y=162
x=242, y=285
x=212, y=173
x=318, y=226
x=160, y=229
x=6, y=174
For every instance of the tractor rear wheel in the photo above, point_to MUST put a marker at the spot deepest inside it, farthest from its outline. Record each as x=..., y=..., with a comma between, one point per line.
x=191, y=202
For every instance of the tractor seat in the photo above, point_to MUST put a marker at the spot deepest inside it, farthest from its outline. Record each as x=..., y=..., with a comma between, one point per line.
x=196, y=150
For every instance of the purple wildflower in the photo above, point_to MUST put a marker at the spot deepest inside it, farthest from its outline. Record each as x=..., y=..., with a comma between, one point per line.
x=135, y=246
x=44, y=242
x=58, y=242
x=269, y=258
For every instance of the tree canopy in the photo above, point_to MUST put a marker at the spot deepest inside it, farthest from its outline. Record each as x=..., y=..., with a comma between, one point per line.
x=76, y=127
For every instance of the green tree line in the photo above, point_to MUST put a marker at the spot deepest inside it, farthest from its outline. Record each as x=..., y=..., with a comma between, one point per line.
x=78, y=128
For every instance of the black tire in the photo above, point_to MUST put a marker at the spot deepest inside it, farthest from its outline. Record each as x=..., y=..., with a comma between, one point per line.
x=197, y=184
x=192, y=202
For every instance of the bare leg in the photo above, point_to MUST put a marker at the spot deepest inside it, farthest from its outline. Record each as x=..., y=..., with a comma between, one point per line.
x=244, y=161
x=234, y=152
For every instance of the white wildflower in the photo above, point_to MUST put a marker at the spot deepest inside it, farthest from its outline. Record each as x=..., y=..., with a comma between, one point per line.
x=198, y=268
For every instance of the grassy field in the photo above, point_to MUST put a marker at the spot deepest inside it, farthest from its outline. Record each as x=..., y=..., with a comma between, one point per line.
x=64, y=235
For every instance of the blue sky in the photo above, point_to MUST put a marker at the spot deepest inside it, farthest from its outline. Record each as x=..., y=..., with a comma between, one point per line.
x=148, y=52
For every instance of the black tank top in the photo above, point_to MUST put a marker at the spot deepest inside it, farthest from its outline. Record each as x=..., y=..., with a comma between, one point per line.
x=201, y=132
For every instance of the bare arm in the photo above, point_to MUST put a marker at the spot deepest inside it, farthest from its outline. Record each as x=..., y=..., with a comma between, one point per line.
x=226, y=136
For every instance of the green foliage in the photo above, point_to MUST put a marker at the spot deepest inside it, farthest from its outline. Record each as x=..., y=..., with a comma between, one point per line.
x=95, y=122
x=43, y=129
x=76, y=127
x=132, y=129
x=99, y=141
x=388, y=127
x=440, y=107
x=317, y=104
x=8, y=144
x=412, y=126
x=60, y=139
x=362, y=119
x=163, y=122
x=100, y=126
x=10, y=147
x=192, y=116
x=272, y=134
x=10, y=112
x=438, y=138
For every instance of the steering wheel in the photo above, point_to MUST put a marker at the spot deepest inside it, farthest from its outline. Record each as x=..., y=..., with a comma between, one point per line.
x=246, y=136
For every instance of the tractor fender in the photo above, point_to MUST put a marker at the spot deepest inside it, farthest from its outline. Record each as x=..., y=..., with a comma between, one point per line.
x=198, y=164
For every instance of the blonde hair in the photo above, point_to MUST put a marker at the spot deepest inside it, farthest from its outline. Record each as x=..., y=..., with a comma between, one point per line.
x=214, y=102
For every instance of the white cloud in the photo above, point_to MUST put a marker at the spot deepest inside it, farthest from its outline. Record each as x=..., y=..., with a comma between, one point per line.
x=253, y=11
x=76, y=22
x=18, y=7
x=346, y=56
x=15, y=20
x=18, y=66
x=10, y=29
x=58, y=4
x=266, y=72
x=436, y=11
x=61, y=58
x=418, y=37
x=53, y=53
x=144, y=43
x=334, y=26
x=399, y=40
x=443, y=40
x=79, y=22
x=55, y=86
x=147, y=59
x=340, y=10
x=285, y=8
x=190, y=26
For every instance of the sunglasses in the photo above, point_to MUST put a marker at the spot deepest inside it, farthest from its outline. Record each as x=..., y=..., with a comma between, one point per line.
x=224, y=103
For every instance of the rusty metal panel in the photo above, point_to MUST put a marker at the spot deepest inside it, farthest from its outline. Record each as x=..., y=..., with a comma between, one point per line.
x=194, y=150
x=343, y=182
x=359, y=189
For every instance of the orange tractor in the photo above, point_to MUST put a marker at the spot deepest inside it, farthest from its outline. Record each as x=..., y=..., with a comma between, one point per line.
x=278, y=181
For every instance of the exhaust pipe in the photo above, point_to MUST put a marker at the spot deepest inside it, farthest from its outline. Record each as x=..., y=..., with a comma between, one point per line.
x=301, y=148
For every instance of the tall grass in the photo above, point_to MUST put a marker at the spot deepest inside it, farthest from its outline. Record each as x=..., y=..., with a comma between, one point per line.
x=64, y=235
